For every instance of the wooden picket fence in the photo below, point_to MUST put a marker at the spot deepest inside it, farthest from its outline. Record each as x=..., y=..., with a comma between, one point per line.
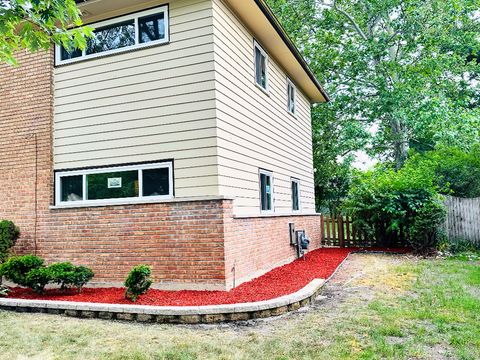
x=340, y=231
x=463, y=219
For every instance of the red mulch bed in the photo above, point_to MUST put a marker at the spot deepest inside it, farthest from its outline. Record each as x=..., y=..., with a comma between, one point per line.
x=284, y=280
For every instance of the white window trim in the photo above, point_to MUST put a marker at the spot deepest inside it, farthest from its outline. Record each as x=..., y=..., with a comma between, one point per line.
x=256, y=45
x=138, y=45
x=272, y=205
x=290, y=83
x=298, y=182
x=120, y=201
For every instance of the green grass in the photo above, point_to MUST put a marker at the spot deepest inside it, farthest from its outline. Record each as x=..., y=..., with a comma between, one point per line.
x=400, y=308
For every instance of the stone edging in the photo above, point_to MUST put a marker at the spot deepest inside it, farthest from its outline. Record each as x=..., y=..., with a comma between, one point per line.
x=171, y=314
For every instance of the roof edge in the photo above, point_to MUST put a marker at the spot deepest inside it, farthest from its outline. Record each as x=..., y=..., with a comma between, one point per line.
x=286, y=39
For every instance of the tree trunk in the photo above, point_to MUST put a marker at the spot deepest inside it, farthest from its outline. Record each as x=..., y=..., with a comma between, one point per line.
x=400, y=141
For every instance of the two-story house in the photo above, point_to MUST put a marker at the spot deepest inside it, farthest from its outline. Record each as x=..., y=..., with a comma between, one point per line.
x=179, y=138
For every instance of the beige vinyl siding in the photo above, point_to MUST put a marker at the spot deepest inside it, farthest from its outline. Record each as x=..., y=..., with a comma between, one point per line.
x=254, y=129
x=146, y=105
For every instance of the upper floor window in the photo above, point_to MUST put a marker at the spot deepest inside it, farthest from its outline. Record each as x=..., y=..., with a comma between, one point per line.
x=124, y=33
x=295, y=195
x=114, y=185
x=266, y=191
x=291, y=97
x=261, y=66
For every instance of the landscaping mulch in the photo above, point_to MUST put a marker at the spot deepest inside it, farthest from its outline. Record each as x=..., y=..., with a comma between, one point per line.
x=284, y=280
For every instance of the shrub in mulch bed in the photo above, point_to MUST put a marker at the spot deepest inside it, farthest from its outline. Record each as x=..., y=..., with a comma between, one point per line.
x=281, y=281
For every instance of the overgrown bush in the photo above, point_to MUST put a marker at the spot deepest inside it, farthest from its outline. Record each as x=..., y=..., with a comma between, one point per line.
x=8, y=236
x=29, y=271
x=17, y=268
x=138, y=282
x=398, y=207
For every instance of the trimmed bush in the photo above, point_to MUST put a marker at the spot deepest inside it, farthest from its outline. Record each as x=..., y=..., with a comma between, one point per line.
x=37, y=279
x=138, y=282
x=68, y=275
x=17, y=268
x=8, y=236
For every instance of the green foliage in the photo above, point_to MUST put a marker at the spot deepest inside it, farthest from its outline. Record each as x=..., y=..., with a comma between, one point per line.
x=398, y=207
x=68, y=275
x=34, y=25
x=29, y=271
x=8, y=235
x=457, y=172
x=138, y=282
x=401, y=73
x=17, y=268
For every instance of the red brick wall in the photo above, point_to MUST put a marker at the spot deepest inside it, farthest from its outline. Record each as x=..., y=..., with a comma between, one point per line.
x=189, y=244
x=253, y=246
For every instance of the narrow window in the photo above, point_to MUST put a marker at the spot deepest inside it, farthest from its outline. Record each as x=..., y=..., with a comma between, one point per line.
x=291, y=97
x=152, y=28
x=111, y=37
x=123, y=184
x=295, y=195
x=261, y=67
x=266, y=190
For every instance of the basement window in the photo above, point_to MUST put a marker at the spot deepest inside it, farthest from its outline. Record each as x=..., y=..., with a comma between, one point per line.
x=266, y=191
x=295, y=194
x=125, y=33
x=261, y=67
x=114, y=185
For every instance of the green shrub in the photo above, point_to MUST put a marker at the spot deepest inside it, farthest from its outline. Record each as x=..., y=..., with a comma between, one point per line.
x=17, y=268
x=138, y=282
x=37, y=279
x=398, y=207
x=68, y=275
x=8, y=236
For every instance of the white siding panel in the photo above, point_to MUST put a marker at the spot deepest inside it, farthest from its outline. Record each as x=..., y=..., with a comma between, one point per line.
x=151, y=104
x=254, y=129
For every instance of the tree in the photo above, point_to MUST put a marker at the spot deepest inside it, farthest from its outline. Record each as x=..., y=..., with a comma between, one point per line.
x=34, y=24
x=405, y=71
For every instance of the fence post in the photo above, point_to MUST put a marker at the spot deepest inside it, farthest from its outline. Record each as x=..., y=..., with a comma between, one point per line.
x=340, y=231
x=322, y=230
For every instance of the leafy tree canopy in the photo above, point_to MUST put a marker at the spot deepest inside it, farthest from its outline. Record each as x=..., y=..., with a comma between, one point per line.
x=34, y=24
x=401, y=73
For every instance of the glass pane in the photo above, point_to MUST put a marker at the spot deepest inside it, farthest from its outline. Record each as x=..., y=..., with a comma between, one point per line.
x=265, y=192
x=70, y=54
x=152, y=28
x=112, y=37
x=295, y=198
x=114, y=185
x=258, y=66
x=156, y=182
x=71, y=188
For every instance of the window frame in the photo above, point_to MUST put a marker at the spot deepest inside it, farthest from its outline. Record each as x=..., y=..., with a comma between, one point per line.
x=115, y=201
x=256, y=46
x=272, y=201
x=119, y=20
x=298, y=182
x=294, y=89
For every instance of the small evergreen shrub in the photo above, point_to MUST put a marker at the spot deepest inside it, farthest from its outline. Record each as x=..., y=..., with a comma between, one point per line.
x=37, y=279
x=8, y=236
x=68, y=275
x=138, y=282
x=17, y=268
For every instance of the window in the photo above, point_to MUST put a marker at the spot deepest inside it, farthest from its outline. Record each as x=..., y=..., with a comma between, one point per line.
x=261, y=67
x=295, y=195
x=266, y=191
x=121, y=34
x=291, y=97
x=114, y=185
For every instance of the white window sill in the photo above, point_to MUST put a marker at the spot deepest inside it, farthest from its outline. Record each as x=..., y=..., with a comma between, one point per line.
x=271, y=215
x=136, y=202
x=265, y=91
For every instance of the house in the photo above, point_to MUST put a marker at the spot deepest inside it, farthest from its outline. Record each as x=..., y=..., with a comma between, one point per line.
x=180, y=138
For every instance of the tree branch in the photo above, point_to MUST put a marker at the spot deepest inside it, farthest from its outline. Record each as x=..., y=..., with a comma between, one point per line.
x=349, y=17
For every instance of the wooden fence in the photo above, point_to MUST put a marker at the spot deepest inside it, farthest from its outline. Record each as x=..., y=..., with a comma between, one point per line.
x=340, y=231
x=463, y=219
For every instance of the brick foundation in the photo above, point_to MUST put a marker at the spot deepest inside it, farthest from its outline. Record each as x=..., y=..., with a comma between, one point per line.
x=191, y=245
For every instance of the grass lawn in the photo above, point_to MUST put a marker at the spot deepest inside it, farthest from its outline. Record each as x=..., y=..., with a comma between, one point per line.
x=376, y=307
